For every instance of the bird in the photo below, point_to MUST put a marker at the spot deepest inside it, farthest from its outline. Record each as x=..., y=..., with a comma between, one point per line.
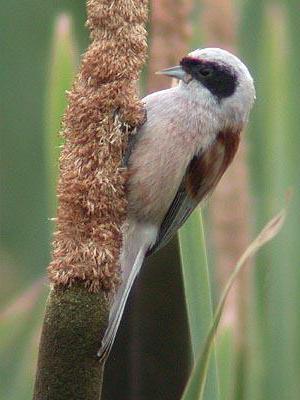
x=176, y=158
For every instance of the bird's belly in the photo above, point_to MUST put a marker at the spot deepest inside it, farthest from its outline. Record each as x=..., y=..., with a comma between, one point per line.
x=156, y=168
x=152, y=190
x=164, y=148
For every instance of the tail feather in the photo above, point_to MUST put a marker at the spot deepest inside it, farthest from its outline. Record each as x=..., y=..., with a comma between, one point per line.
x=137, y=238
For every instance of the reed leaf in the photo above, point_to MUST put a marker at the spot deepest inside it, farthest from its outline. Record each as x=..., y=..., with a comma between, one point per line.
x=195, y=387
x=61, y=72
x=197, y=289
x=227, y=361
x=279, y=287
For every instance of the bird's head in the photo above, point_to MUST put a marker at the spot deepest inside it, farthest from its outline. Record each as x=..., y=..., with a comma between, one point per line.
x=217, y=77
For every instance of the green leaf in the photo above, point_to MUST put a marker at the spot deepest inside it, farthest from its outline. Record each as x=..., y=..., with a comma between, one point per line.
x=277, y=304
x=195, y=387
x=61, y=73
x=227, y=361
x=197, y=291
x=20, y=325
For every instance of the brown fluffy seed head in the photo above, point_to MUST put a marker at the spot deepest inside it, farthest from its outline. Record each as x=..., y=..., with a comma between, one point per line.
x=102, y=103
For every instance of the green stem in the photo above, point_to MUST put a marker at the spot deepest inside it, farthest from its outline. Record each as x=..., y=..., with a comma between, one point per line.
x=68, y=367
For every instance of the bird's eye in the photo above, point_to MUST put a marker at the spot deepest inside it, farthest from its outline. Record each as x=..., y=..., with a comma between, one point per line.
x=205, y=72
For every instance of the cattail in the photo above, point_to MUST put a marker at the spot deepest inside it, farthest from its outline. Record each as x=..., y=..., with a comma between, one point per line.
x=103, y=108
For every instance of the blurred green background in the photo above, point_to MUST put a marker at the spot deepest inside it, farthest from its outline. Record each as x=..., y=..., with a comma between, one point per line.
x=40, y=52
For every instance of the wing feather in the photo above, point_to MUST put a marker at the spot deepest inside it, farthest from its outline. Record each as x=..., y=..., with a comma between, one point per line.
x=202, y=175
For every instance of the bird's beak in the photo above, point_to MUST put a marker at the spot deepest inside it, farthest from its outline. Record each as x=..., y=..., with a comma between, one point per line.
x=175, y=72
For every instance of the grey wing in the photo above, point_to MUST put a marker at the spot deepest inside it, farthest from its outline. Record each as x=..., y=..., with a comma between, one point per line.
x=201, y=177
x=181, y=208
x=191, y=191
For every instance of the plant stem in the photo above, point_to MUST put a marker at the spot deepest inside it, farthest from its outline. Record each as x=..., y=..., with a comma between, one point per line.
x=68, y=367
x=85, y=269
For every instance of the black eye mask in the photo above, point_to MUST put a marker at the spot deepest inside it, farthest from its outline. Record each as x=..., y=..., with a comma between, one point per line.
x=219, y=79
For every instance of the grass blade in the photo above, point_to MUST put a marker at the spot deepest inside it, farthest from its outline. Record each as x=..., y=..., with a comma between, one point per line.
x=227, y=359
x=61, y=72
x=196, y=384
x=197, y=291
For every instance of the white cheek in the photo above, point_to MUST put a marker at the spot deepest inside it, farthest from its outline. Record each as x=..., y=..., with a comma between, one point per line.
x=236, y=109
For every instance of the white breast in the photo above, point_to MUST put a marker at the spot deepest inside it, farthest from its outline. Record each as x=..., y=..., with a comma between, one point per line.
x=176, y=129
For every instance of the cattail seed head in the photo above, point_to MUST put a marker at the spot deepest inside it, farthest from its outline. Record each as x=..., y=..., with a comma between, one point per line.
x=103, y=108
